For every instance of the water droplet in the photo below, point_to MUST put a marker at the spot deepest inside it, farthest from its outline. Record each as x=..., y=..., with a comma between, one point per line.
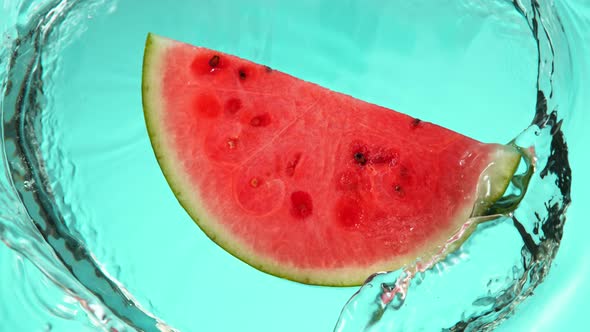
x=29, y=185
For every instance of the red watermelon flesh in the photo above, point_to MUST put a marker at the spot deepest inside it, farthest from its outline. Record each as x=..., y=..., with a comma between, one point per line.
x=303, y=182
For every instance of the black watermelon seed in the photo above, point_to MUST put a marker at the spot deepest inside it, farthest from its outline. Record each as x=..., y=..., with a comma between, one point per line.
x=360, y=158
x=214, y=61
x=242, y=74
x=416, y=122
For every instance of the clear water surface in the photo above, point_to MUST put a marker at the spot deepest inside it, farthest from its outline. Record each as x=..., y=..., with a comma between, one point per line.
x=95, y=239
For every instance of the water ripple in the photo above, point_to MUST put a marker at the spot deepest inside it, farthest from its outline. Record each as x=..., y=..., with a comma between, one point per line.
x=37, y=212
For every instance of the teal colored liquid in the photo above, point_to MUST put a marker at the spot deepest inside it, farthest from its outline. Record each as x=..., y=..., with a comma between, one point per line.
x=467, y=66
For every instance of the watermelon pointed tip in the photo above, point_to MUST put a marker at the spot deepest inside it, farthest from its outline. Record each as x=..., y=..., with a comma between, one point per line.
x=496, y=177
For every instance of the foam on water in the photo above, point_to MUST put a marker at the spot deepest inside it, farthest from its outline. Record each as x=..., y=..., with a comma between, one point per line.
x=82, y=199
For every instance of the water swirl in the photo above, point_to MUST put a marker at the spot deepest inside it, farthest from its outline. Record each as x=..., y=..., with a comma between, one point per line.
x=44, y=171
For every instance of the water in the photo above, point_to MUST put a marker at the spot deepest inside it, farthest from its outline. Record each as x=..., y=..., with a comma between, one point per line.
x=84, y=201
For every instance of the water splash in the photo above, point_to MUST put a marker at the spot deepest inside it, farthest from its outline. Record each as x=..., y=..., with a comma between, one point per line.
x=32, y=224
x=538, y=222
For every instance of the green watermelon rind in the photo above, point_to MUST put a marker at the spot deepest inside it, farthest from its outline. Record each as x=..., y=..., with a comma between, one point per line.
x=152, y=106
x=502, y=171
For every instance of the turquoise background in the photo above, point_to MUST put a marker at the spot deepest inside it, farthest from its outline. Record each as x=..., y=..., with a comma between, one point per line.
x=558, y=304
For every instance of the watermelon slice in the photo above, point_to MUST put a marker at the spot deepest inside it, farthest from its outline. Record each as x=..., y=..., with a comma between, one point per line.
x=303, y=182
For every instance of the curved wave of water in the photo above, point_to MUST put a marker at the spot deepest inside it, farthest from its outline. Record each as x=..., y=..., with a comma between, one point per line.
x=538, y=221
x=33, y=207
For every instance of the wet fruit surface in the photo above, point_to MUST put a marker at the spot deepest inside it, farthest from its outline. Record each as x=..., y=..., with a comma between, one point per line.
x=307, y=177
